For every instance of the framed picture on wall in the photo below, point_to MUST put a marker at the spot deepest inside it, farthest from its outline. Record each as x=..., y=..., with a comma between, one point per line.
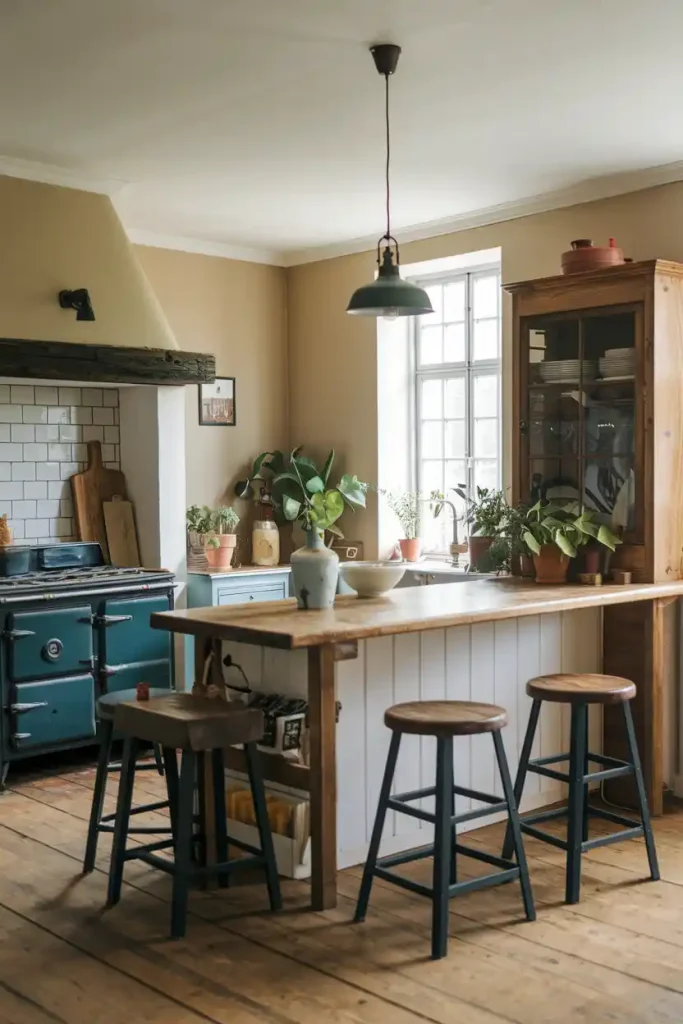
x=217, y=403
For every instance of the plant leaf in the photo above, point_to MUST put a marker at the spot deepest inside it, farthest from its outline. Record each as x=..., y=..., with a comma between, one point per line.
x=327, y=467
x=291, y=508
x=315, y=484
x=258, y=463
x=335, y=530
x=351, y=488
x=606, y=537
x=564, y=544
x=531, y=542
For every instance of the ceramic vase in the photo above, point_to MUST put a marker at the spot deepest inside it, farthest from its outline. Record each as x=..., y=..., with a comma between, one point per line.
x=315, y=570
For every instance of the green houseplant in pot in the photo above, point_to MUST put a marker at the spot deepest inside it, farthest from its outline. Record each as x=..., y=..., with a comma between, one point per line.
x=554, y=534
x=224, y=522
x=486, y=516
x=408, y=510
x=303, y=494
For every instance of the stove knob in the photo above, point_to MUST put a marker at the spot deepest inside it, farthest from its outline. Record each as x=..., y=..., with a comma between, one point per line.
x=52, y=650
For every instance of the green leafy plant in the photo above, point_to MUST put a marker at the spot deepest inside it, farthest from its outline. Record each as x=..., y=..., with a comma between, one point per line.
x=567, y=526
x=224, y=519
x=213, y=543
x=199, y=520
x=302, y=493
x=486, y=514
x=266, y=467
x=407, y=507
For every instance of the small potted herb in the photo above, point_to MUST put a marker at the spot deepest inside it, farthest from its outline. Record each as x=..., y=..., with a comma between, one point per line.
x=224, y=522
x=486, y=516
x=408, y=510
x=554, y=533
x=199, y=524
x=212, y=550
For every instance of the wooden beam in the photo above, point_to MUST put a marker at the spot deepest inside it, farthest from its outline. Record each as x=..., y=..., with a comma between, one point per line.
x=322, y=720
x=274, y=768
x=115, y=364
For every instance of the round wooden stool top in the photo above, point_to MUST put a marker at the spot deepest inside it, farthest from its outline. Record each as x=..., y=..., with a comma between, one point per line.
x=578, y=687
x=445, y=717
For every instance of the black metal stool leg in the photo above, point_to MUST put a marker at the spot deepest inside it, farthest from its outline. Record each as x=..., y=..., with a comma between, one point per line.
x=183, y=845
x=514, y=828
x=577, y=788
x=158, y=758
x=106, y=732
x=258, y=796
x=453, y=876
x=586, y=791
x=376, y=838
x=220, y=813
x=442, y=842
x=171, y=772
x=642, y=795
x=123, y=805
x=200, y=839
x=509, y=843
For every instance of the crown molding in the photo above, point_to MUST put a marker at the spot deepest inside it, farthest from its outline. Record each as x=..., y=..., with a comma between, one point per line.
x=588, y=191
x=203, y=247
x=52, y=174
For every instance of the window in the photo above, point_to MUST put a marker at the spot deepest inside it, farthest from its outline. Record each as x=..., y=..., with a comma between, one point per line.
x=457, y=378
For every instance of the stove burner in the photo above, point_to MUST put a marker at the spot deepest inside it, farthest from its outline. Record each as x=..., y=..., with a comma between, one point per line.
x=62, y=579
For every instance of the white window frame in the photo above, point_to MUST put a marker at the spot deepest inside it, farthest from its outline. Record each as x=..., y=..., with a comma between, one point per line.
x=468, y=370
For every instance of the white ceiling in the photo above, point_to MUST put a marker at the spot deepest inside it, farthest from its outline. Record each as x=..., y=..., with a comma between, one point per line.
x=258, y=123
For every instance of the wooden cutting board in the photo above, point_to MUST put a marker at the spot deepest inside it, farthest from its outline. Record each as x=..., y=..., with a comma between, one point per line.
x=90, y=489
x=121, y=535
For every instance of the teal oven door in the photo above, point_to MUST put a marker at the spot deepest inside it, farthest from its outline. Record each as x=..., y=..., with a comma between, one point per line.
x=49, y=642
x=131, y=652
x=51, y=711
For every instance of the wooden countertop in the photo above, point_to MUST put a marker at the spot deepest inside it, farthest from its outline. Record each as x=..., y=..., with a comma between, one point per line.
x=409, y=610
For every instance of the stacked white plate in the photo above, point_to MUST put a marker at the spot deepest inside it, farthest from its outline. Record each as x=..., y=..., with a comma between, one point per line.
x=567, y=371
x=618, y=362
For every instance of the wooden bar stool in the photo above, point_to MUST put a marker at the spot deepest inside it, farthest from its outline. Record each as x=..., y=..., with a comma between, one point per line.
x=444, y=720
x=105, y=709
x=579, y=691
x=198, y=727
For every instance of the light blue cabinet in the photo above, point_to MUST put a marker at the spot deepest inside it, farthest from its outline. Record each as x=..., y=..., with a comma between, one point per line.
x=240, y=586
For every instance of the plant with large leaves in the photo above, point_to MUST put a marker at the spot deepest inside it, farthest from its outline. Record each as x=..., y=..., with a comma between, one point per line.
x=569, y=527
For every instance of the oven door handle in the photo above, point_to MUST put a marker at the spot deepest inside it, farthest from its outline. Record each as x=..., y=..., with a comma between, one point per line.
x=17, y=634
x=21, y=709
x=111, y=620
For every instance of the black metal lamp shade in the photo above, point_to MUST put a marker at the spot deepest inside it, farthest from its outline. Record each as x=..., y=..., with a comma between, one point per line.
x=389, y=295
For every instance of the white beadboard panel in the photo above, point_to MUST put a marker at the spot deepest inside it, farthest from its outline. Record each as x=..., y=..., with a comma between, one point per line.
x=551, y=721
x=379, y=695
x=506, y=689
x=483, y=689
x=353, y=812
x=528, y=666
x=459, y=687
x=432, y=687
x=408, y=775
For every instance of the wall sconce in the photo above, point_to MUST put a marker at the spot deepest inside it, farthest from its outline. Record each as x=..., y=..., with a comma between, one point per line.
x=78, y=300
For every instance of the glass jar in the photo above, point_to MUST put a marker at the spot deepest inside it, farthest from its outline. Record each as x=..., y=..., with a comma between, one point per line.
x=265, y=543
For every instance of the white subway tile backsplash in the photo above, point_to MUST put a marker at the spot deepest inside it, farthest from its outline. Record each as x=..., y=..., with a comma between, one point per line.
x=6, y=509
x=112, y=465
x=108, y=452
x=66, y=507
x=69, y=432
x=22, y=394
x=111, y=435
x=61, y=527
x=48, y=509
x=11, y=452
x=23, y=470
x=17, y=528
x=35, y=452
x=47, y=471
x=79, y=452
x=36, y=527
x=9, y=491
x=92, y=396
x=5, y=471
x=5, y=431
x=32, y=413
x=47, y=396
x=116, y=416
x=47, y=432
x=10, y=413
x=59, y=489
x=4, y=393
x=35, y=489
x=93, y=433
x=24, y=510
x=69, y=396
x=58, y=414
x=57, y=452
x=20, y=432
x=67, y=469
x=105, y=416
x=81, y=414
x=110, y=396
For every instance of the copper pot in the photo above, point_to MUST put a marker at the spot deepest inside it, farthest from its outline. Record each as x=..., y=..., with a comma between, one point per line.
x=584, y=256
x=551, y=565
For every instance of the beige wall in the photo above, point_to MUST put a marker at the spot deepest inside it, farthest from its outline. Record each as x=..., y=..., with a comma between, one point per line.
x=237, y=311
x=53, y=238
x=333, y=357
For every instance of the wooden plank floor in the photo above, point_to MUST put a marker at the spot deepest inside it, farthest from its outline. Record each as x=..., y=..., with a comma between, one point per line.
x=616, y=957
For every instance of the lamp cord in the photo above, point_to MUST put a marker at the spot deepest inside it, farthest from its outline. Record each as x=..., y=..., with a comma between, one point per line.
x=386, y=115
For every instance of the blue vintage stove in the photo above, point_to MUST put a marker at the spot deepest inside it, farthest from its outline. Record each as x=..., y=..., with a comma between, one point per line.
x=71, y=629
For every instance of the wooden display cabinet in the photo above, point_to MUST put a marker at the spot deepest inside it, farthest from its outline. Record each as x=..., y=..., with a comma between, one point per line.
x=605, y=427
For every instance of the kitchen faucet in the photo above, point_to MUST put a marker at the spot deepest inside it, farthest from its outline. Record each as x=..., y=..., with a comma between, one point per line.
x=456, y=549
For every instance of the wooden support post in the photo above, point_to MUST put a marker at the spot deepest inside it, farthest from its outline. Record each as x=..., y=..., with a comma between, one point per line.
x=323, y=776
x=203, y=647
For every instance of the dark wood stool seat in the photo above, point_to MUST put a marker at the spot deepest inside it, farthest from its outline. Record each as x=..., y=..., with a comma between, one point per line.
x=99, y=822
x=579, y=690
x=445, y=718
x=200, y=728
x=588, y=688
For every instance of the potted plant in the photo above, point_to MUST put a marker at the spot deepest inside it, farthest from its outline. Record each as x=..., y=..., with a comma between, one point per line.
x=302, y=493
x=513, y=529
x=486, y=516
x=408, y=510
x=199, y=524
x=212, y=550
x=224, y=522
x=554, y=534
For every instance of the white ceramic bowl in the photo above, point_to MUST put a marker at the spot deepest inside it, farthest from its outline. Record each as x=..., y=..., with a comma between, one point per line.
x=372, y=579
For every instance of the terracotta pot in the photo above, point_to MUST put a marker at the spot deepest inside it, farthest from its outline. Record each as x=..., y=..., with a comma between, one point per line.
x=526, y=566
x=591, y=560
x=478, y=546
x=551, y=565
x=221, y=557
x=584, y=256
x=411, y=549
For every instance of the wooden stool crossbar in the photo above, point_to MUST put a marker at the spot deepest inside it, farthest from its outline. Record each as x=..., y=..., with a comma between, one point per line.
x=580, y=691
x=199, y=728
x=99, y=822
x=444, y=720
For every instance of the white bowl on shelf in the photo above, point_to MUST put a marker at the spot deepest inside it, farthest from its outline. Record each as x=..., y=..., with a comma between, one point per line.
x=372, y=579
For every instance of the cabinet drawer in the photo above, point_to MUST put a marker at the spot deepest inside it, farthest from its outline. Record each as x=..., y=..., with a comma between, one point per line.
x=271, y=592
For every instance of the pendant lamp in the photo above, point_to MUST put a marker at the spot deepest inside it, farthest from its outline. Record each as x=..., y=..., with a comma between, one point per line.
x=388, y=295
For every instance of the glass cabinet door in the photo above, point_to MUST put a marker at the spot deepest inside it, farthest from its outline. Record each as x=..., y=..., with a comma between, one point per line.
x=580, y=415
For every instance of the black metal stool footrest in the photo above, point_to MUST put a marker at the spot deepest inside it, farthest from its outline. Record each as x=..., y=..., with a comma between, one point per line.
x=509, y=871
x=631, y=829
